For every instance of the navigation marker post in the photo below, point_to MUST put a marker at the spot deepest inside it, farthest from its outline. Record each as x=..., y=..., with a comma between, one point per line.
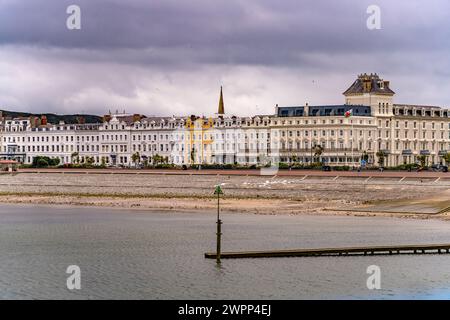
x=218, y=191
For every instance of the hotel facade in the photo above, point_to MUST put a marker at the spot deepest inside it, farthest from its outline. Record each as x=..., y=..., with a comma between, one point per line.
x=368, y=125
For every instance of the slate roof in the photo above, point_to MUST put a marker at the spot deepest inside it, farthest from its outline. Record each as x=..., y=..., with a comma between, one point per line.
x=378, y=85
x=416, y=106
x=324, y=110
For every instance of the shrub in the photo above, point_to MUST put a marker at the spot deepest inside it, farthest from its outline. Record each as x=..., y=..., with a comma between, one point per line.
x=409, y=166
x=297, y=166
x=44, y=161
x=283, y=165
x=41, y=163
x=341, y=168
x=164, y=166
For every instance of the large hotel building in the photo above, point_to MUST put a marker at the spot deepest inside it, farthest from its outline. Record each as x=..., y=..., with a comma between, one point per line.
x=367, y=126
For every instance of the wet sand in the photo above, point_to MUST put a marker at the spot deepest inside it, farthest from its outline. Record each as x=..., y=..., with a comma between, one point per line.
x=255, y=194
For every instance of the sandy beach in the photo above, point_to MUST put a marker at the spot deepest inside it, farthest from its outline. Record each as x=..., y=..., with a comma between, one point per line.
x=242, y=194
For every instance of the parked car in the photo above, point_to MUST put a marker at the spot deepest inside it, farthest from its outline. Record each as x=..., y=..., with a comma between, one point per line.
x=439, y=168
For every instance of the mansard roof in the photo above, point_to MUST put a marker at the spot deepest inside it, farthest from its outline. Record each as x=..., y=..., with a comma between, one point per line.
x=369, y=84
x=416, y=106
x=324, y=110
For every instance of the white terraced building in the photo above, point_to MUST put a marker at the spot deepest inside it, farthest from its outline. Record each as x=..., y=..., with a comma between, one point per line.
x=365, y=125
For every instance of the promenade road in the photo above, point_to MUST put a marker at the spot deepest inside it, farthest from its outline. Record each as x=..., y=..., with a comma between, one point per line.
x=254, y=172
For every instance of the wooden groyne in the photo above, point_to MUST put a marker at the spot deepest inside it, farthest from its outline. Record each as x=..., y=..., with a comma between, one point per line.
x=345, y=251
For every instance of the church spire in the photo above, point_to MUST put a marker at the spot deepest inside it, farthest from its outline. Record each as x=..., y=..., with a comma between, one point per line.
x=221, y=105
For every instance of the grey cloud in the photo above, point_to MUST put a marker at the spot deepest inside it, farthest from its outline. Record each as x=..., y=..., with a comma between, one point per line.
x=226, y=29
x=167, y=56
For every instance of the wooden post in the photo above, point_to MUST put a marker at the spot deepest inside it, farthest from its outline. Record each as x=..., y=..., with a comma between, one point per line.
x=218, y=191
x=219, y=233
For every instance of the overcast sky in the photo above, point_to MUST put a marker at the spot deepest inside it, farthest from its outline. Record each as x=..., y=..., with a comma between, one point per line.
x=167, y=57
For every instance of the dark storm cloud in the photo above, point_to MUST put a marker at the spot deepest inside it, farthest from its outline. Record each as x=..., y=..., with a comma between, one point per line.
x=243, y=32
x=167, y=55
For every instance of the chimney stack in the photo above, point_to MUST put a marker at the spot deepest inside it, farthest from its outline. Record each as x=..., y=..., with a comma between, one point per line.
x=306, y=112
x=136, y=117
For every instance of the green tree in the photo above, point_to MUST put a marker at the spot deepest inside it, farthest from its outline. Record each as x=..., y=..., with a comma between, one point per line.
x=365, y=156
x=318, y=151
x=446, y=158
x=74, y=157
x=423, y=160
x=90, y=161
x=136, y=157
x=157, y=159
x=381, y=156
x=193, y=155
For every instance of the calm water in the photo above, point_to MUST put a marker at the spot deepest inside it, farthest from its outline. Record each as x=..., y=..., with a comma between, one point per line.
x=140, y=255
